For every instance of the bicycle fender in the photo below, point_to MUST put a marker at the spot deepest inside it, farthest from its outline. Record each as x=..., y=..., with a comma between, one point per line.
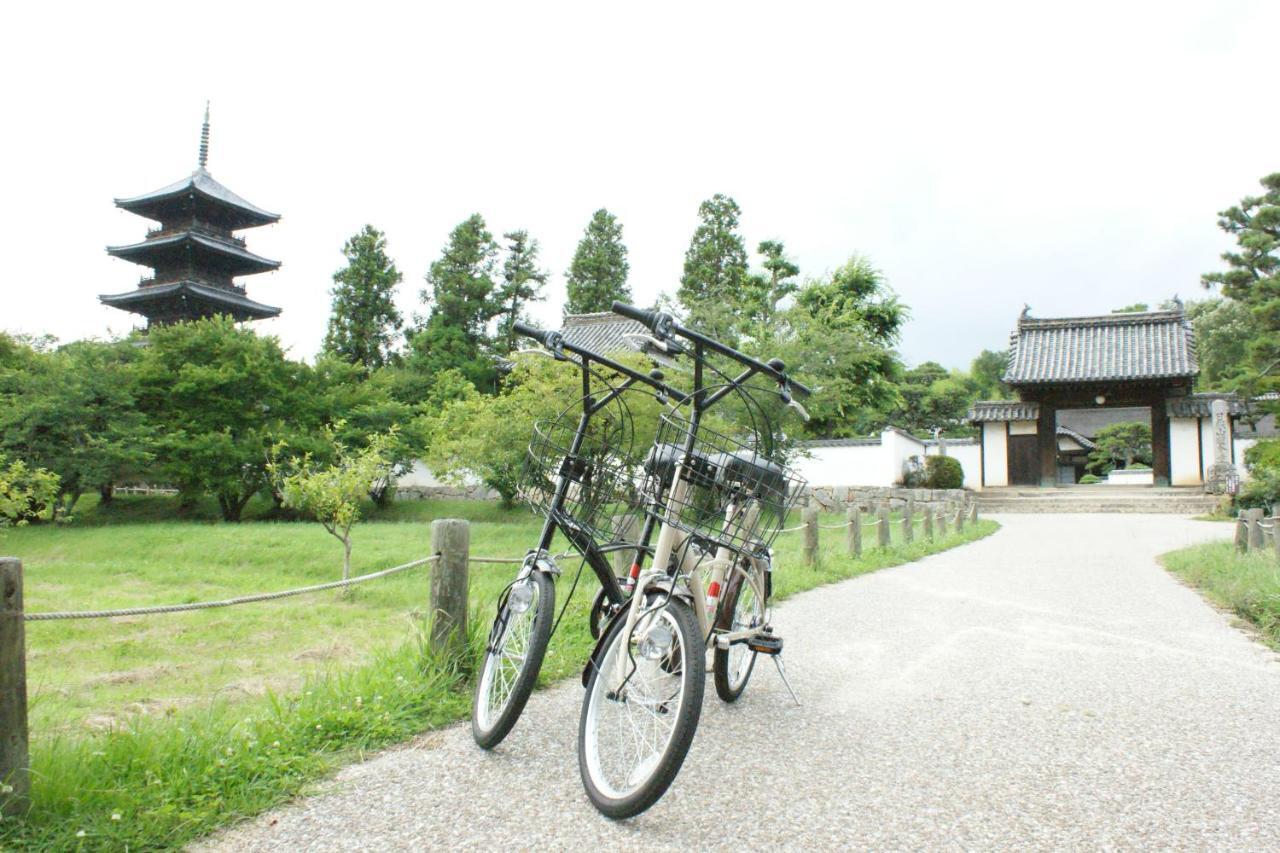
x=599, y=647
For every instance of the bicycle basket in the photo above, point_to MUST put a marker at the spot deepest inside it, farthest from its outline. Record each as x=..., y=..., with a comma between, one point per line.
x=723, y=473
x=599, y=478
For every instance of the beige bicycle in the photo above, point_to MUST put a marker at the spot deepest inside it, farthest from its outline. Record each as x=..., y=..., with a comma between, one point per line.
x=718, y=496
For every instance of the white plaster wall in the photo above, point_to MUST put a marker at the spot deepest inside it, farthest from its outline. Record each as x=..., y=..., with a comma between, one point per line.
x=420, y=476
x=1239, y=446
x=1184, y=451
x=996, y=459
x=1206, y=443
x=898, y=449
x=859, y=465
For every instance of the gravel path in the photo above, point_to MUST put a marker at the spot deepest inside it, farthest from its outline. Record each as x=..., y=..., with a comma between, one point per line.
x=1050, y=686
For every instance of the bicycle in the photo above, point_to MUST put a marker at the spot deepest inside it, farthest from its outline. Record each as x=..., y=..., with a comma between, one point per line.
x=719, y=500
x=575, y=474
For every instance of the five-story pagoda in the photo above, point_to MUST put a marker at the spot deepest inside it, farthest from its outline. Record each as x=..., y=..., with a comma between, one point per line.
x=194, y=253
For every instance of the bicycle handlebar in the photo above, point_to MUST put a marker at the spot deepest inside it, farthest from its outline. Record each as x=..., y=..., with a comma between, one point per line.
x=555, y=342
x=663, y=325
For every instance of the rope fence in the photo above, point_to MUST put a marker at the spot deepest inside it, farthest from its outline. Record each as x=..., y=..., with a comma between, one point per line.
x=1254, y=529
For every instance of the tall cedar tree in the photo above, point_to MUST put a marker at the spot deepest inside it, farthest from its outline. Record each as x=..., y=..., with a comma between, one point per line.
x=522, y=283
x=598, y=274
x=461, y=294
x=365, y=321
x=1254, y=277
x=715, y=269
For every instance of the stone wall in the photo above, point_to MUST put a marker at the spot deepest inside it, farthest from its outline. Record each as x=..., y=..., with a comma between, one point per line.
x=870, y=498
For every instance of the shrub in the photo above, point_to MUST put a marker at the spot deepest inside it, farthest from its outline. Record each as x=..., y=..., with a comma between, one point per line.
x=1263, y=455
x=1261, y=490
x=943, y=472
x=1138, y=466
x=913, y=473
x=25, y=492
x=1090, y=479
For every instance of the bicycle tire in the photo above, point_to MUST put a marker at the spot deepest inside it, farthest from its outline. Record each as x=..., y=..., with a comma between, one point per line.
x=730, y=679
x=490, y=726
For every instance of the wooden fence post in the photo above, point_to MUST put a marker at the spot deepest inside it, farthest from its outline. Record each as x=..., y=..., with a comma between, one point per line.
x=928, y=523
x=15, y=777
x=1242, y=534
x=1254, y=518
x=853, y=533
x=973, y=510
x=960, y=518
x=1275, y=529
x=624, y=527
x=451, y=539
x=882, y=529
x=908, y=521
x=942, y=521
x=809, y=516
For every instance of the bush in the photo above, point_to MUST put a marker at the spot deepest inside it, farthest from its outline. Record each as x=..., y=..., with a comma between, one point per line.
x=1261, y=490
x=1138, y=466
x=1090, y=479
x=1263, y=455
x=913, y=473
x=943, y=472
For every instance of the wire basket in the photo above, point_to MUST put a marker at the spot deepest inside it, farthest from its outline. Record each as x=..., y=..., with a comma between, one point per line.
x=600, y=480
x=737, y=496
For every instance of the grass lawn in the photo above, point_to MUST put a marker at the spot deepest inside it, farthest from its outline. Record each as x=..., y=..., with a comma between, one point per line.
x=1246, y=584
x=179, y=723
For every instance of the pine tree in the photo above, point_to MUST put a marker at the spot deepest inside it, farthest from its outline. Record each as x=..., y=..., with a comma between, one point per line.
x=715, y=269
x=598, y=274
x=1254, y=277
x=764, y=292
x=522, y=283
x=461, y=294
x=364, y=321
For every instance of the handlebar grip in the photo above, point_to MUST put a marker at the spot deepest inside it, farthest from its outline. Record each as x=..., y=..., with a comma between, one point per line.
x=539, y=335
x=640, y=315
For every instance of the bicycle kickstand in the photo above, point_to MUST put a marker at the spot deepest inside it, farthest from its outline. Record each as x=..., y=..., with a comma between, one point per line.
x=782, y=671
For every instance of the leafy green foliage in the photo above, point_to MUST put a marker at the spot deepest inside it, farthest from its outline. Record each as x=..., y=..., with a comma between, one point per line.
x=1253, y=278
x=943, y=472
x=72, y=412
x=1121, y=443
x=1263, y=456
x=522, y=283
x=332, y=493
x=987, y=375
x=461, y=295
x=1224, y=329
x=1089, y=479
x=765, y=291
x=219, y=397
x=365, y=321
x=715, y=270
x=598, y=273
x=25, y=492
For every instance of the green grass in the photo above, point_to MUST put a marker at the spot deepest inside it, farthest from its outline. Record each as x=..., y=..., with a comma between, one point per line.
x=181, y=723
x=1246, y=584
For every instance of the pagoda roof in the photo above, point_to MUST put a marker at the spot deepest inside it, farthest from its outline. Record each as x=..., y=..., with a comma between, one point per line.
x=206, y=298
x=1131, y=346
x=233, y=211
x=220, y=254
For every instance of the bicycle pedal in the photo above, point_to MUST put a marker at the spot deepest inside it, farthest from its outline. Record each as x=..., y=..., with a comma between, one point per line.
x=765, y=644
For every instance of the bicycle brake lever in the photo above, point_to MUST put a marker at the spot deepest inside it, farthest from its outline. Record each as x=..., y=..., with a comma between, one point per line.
x=795, y=404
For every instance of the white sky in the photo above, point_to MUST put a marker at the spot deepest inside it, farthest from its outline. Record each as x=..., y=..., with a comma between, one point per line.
x=1072, y=156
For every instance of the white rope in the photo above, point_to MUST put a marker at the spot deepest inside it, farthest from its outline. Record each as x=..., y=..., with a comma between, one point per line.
x=226, y=602
x=515, y=561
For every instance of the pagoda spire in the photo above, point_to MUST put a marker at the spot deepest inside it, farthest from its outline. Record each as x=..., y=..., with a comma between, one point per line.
x=204, y=139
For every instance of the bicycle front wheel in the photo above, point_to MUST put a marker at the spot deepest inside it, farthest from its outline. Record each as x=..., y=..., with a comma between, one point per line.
x=512, y=658
x=733, y=665
x=641, y=708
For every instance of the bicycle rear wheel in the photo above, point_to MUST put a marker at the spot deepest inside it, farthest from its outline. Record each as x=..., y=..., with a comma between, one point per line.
x=512, y=659
x=633, y=736
x=733, y=665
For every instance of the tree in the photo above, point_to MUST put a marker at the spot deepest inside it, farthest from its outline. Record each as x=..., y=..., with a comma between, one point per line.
x=1127, y=442
x=522, y=283
x=332, y=493
x=715, y=269
x=1224, y=329
x=1253, y=278
x=1126, y=309
x=461, y=295
x=219, y=398
x=25, y=492
x=933, y=399
x=838, y=338
x=598, y=273
x=765, y=291
x=987, y=372
x=74, y=414
x=365, y=321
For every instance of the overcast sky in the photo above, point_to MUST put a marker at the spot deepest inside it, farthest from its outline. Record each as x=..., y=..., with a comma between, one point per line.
x=1071, y=156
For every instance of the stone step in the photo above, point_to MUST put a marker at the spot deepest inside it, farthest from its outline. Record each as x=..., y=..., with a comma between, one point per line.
x=1179, y=506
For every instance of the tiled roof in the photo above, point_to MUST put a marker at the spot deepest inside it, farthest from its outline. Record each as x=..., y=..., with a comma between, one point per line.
x=1140, y=345
x=202, y=183
x=604, y=332
x=217, y=298
x=1078, y=438
x=146, y=251
x=1199, y=405
x=1004, y=410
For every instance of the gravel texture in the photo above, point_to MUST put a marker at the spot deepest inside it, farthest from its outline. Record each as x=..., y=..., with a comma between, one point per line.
x=1050, y=686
